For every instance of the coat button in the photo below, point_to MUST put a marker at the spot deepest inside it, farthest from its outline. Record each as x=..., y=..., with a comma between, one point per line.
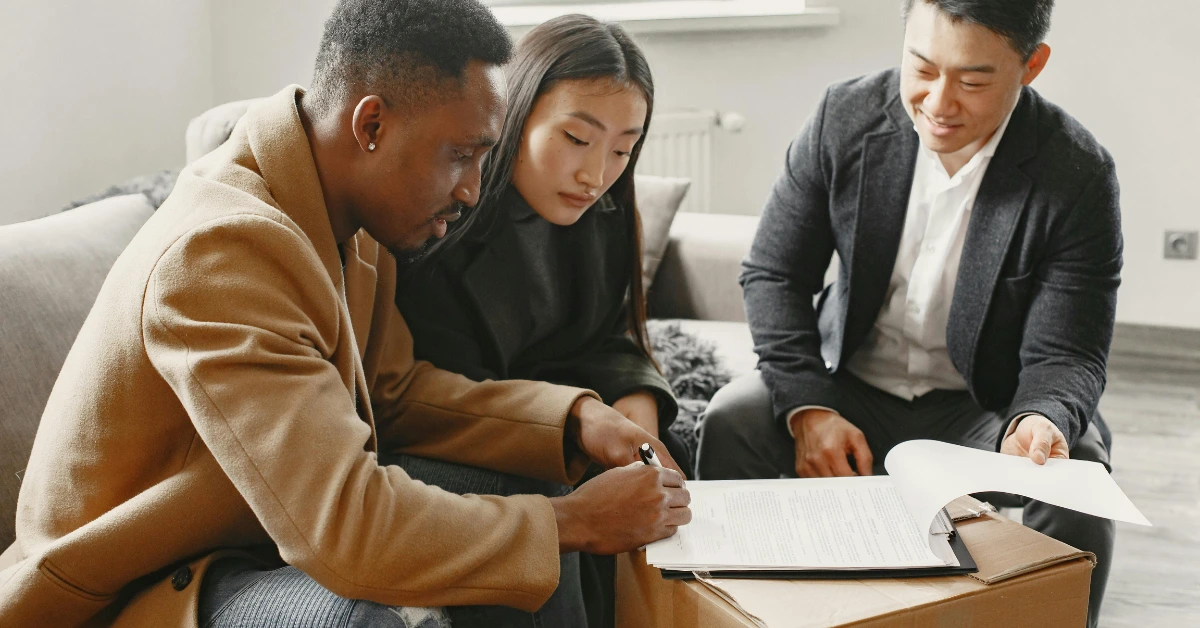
x=181, y=578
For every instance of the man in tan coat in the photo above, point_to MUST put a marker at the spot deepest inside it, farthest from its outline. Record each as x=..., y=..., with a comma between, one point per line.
x=244, y=367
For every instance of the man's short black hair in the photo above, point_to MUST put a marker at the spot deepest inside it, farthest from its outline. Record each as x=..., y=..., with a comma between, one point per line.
x=403, y=50
x=1024, y=23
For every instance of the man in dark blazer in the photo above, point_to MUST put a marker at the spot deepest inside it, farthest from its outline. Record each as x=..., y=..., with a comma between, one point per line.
x=978, y=227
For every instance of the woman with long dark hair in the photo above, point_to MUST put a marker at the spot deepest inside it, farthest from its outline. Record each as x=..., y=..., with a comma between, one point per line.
x=545, y=282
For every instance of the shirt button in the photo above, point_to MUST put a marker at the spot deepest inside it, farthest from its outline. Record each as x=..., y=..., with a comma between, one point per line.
x=181, y=578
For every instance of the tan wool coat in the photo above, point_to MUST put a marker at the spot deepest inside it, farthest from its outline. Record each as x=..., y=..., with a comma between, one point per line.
x=231, y=389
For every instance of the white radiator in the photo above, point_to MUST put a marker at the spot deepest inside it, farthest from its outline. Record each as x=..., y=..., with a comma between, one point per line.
x=680, y=144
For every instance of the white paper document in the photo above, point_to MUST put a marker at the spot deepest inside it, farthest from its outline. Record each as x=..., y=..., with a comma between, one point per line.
x=828, y=523
x=931, y=474
x=881, y=522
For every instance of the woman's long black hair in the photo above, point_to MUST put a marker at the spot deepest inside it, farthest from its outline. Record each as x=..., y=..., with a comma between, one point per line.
x=569, y=48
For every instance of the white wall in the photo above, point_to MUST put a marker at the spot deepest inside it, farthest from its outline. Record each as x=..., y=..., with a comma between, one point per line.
x=774, y=79
x=262, y=46
x=95, y=93
x=130, y=79
x=1127, y=71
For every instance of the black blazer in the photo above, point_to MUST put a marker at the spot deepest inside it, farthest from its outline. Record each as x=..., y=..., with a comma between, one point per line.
x=1035, y=299
x=469, y=312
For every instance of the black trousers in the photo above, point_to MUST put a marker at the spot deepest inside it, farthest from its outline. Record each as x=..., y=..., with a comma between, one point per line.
x=740, y=438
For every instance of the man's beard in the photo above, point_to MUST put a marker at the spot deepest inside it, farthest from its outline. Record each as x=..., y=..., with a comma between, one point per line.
x=406, y=256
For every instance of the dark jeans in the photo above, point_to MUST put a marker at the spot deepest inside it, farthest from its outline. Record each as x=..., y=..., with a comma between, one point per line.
x=237, y=593
x=740, y=438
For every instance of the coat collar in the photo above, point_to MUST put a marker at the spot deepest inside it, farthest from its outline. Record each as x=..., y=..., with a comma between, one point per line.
x=284, y=157
x=889, y=156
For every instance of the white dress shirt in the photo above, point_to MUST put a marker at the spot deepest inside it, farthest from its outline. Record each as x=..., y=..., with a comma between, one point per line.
x=905, y=353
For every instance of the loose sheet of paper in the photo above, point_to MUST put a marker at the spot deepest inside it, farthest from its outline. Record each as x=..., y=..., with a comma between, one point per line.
x=930, y=474
x=832, y=523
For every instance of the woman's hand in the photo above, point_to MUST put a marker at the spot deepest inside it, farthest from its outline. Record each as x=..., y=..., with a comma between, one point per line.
x=642, y=408
x=609, y=438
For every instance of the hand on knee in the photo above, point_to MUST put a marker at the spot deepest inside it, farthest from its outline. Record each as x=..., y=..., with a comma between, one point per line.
x=824, y=440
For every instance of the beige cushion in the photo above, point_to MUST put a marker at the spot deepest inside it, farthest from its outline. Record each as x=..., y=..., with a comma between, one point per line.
x=50, y=272
x=698, y=278
x=658, y=200
x=210, y=129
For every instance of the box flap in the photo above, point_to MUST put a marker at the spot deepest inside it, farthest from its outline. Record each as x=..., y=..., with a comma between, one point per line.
x=1004, y=549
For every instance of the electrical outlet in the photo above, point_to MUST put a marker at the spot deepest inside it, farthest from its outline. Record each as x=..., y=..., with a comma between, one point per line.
x=1180, y=244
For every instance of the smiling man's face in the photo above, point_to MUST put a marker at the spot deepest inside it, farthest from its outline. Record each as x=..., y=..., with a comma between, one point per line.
x=959, y=81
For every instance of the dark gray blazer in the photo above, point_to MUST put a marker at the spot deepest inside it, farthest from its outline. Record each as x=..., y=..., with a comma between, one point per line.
x=1035, y=300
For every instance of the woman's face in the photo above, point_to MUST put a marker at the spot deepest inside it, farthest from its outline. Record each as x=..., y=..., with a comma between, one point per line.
x=575, y=144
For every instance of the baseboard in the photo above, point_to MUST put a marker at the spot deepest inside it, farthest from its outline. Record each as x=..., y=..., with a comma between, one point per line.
x=1155, y=348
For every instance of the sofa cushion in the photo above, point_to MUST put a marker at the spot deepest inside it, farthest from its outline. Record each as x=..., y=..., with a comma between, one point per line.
x=658, y=200
x=698, y=278
x=51, y=270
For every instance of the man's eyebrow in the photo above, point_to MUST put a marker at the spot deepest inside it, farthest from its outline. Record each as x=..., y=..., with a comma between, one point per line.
x=987, y=69
x=590, y=119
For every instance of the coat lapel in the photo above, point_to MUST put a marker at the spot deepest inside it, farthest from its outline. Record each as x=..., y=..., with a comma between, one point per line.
x=360, y=277
x=283, y=156
x=498, y=294
x=597, y=242
x=888, y=159
x=998, y=208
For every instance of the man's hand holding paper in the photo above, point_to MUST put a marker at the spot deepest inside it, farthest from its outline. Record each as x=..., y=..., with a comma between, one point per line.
x=1033, y=436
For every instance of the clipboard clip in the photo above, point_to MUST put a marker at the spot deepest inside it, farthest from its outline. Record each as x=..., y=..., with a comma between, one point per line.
x=943, y=525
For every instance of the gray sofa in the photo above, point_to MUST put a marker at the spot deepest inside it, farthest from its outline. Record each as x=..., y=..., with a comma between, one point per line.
x=51, y=270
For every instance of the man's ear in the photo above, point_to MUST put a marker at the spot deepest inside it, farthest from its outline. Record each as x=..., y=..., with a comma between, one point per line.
x=1037, y=63
x=368, y=122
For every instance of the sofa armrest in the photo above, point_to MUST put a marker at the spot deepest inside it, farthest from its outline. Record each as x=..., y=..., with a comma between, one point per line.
x=700, y=268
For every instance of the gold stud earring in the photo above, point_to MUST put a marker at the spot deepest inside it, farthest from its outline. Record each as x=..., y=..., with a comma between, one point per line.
x=371, y=146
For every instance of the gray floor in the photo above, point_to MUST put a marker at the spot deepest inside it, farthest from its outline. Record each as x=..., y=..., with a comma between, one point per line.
x=1155, y=417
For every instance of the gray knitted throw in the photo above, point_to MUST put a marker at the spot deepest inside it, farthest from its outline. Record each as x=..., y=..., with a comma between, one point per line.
x=694, y=371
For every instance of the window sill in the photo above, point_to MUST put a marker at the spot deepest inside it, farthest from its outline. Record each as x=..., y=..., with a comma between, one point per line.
x=680, y=16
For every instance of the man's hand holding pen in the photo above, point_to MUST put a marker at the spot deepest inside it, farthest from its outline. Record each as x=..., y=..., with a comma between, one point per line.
x=629, y=505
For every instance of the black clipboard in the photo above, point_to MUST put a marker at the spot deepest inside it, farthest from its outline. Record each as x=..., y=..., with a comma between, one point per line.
x=966, y=565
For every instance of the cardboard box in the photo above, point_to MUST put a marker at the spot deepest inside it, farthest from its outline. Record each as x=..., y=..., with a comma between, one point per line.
x=1025, y=579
